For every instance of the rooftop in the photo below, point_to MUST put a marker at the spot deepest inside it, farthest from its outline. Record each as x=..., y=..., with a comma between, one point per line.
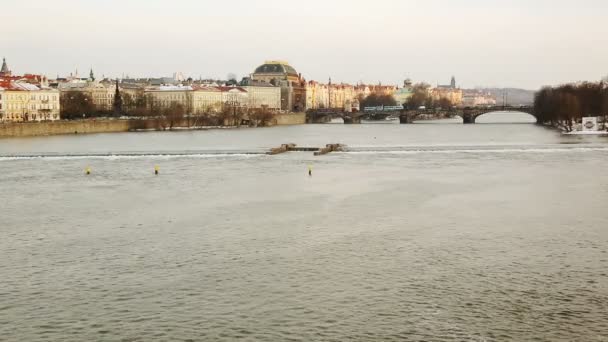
x=276, y=67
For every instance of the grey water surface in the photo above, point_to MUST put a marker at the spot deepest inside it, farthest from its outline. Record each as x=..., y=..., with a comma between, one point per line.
x=434, y=232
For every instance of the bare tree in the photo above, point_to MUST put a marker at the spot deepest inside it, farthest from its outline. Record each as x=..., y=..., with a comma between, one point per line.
x=420, y=97
x=173, y=114
x=76, y=104
x=261, y=117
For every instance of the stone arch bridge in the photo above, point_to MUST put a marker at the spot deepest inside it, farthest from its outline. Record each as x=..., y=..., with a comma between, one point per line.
x=468, y=114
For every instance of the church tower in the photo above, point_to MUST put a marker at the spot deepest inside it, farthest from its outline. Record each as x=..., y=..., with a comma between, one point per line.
x=453, y=83
x=91, y=75
x=4, y=71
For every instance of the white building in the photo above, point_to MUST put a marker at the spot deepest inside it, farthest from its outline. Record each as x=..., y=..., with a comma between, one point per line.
x=234, y=96
x=26, y=102
x=1, y=104
x=206, y=100
x=166, y=95
x=264, y=96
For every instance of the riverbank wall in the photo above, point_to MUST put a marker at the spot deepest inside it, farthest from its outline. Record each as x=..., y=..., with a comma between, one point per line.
x=29, y=129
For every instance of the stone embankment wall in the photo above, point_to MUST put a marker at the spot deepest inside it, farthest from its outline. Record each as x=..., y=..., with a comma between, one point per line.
x=62, y=127
x=106, y=126
x=290, y=119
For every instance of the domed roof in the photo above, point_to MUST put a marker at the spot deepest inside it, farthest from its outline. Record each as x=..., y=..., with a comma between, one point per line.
x=276, y=67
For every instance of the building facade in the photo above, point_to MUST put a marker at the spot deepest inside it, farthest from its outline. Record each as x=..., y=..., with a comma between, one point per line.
x=163, y=97
x=262, y=94
x=206, y=100
x=476, y=98
x=1, y=103
x=24, y=102
x=234, y=97
x=450, y=92
x=291, y=84
x=100, y=94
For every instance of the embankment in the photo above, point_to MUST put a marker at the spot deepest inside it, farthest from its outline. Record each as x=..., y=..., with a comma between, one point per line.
x=28, y=129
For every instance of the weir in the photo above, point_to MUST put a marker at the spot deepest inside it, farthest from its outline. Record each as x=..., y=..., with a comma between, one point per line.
x=318, y=151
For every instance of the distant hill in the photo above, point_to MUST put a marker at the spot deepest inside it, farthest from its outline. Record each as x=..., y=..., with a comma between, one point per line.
x=515, y=96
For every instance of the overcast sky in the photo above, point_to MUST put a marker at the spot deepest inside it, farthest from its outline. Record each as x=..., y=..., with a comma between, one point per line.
x=515, y=43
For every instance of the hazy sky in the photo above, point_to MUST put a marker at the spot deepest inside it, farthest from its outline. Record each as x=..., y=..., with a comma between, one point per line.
x=521, y=43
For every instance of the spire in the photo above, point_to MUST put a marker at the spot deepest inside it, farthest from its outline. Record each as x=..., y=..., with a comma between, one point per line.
x=91, y=75
x=4, y=71
x=453, y=82
x=117, y=101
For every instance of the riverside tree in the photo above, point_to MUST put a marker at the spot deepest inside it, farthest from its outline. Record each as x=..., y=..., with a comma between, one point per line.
x=261, y=116
x=76, y=105
x=568, y=103
x=172, y=115
x=420, y=97
x=375, y=100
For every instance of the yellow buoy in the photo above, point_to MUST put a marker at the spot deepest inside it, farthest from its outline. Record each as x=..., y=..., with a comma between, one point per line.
x=309, y=170
x=156, y=169
x=88, y=170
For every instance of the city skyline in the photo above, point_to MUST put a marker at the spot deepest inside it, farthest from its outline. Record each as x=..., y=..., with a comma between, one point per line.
x=481, y=43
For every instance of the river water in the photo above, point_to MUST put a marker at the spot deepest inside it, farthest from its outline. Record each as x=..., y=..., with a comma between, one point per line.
x=435, y=232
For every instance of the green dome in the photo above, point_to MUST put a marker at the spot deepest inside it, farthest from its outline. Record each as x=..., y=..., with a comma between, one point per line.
x=281, y=68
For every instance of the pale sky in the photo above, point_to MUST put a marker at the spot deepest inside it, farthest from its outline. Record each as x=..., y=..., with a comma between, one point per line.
x=510, y=43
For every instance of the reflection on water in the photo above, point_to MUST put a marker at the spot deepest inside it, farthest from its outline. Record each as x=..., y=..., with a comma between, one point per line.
x=420, y=232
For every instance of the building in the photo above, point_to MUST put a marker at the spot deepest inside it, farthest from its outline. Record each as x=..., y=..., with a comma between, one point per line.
x=401, y=95
x=234, y=97
x=1, y=103
x=317, y=95
x=23, y=102
x=262, y=94
x=452, y=84
x=475, y=98
x=206, y=100
x=283, y=75
x=164, y=96
x=364, y=90
x=341, y=96
x=101, y=94
x=450, y=92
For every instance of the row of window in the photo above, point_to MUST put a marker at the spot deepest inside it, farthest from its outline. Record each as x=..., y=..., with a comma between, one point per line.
x=33, y=106
x=33, y=97
x=28, y=117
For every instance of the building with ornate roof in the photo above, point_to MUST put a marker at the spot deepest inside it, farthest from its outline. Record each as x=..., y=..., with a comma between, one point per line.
x=291, y=83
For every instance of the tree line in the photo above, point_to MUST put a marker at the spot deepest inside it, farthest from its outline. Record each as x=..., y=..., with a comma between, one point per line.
x=77, y=105
x=566, y=104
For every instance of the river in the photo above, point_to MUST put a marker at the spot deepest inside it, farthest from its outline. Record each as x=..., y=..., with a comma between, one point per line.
x=431, y=231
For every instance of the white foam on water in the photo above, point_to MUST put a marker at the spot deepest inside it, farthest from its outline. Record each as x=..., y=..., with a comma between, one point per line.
x=480, y=151
x=132, y=156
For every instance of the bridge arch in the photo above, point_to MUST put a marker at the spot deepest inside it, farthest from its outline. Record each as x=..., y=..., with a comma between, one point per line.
x=511, y=116
x=470, y=115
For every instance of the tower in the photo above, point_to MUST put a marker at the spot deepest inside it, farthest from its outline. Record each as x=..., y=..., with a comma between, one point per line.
x=453, y=83
x=91, y=75
x=4, y=71
x=117, y=101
